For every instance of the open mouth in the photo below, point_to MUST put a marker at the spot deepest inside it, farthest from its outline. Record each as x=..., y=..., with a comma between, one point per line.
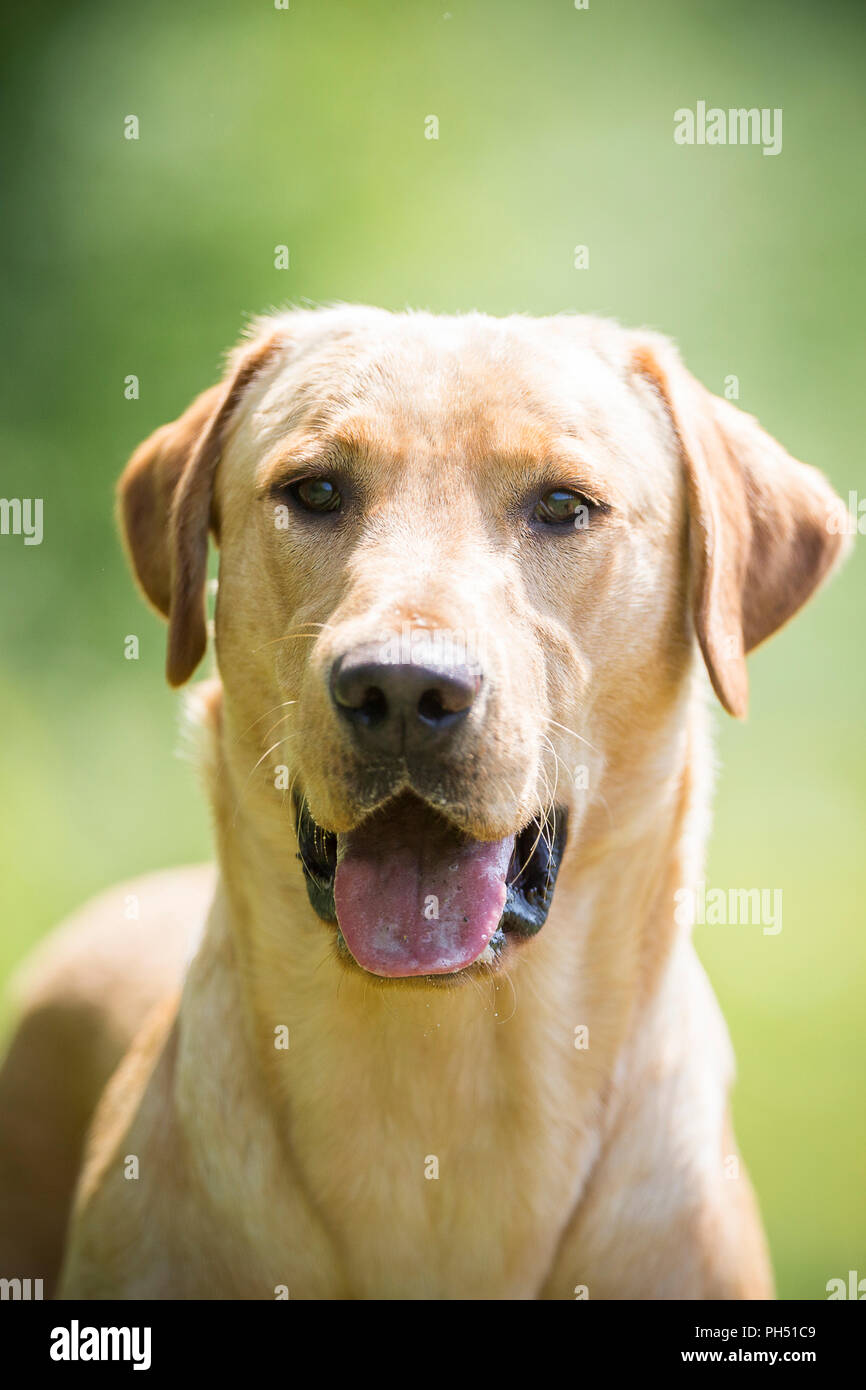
x=413, y=896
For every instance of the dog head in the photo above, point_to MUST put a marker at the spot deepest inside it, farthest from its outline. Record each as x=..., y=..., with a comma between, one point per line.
x=465, y=568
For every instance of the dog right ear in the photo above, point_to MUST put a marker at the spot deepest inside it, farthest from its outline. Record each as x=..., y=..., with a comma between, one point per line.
x=164, y=505
x=146, y=491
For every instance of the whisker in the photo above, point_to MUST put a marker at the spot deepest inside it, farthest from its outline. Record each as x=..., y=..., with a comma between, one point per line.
x=476, y=985
x=264, y=716
x=303, y=808
x=550, y=816
x=240, y=801
x=507, y=975
x=573, y=734
x=289, y=636
x=598, y=794
x=279, y=722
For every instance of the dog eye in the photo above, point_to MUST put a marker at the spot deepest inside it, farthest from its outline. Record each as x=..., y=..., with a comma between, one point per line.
x=560, y=506
x=317, y=495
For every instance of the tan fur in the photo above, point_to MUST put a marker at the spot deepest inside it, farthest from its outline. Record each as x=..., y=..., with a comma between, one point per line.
x=605, y=1168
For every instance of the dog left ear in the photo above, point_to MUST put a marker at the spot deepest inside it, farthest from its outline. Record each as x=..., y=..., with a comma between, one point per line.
x=764, y=529
x=164, y=498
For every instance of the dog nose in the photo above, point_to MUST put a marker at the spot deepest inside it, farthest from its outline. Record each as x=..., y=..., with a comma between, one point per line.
x=394, y=707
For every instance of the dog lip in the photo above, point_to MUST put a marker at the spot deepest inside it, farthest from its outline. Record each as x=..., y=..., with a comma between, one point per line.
x=530, y=883
x=317, y=853
x=535, y=861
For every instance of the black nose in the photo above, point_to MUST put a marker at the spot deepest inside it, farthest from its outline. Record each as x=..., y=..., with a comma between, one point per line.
x=400, y=707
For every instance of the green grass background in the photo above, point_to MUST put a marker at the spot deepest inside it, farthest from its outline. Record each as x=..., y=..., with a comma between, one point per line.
x=306, y=127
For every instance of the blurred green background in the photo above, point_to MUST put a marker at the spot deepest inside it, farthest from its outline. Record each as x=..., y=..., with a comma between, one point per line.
x=305, y=127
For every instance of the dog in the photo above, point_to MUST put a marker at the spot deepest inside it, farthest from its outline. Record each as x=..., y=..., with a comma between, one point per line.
x=434, y=1028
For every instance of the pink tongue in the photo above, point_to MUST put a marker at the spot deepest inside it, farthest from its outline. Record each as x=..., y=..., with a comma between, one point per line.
x=414, y=897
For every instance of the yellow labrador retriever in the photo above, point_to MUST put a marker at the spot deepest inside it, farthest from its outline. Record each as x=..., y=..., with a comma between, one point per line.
x=435, y=1029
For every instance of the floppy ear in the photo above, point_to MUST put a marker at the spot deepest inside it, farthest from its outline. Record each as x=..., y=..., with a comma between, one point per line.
x=164, y=498
x=764, y=530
